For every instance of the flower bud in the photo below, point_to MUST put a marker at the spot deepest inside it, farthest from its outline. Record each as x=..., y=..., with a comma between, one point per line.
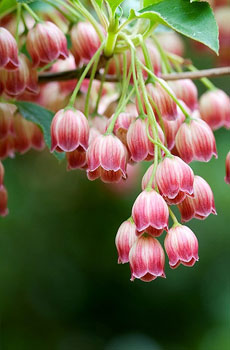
x=125, y=238
x=122, y=125
x=46, y=43
x=147, y=259
x=186, y=91
x=24, y=78
x=174, y=179
x=227, y=163
x=139, y=145
x=150, y=213
x=69, y=131
x=85, y=41
x=215, y=109
x=106, y=158
x=181, y=246
x=165, y=104
x=201, y=205
x=3, y=201
x=195, y=141
x=8, y=50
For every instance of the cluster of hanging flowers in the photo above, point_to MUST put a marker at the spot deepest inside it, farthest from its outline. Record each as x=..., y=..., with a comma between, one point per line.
x=105, y=129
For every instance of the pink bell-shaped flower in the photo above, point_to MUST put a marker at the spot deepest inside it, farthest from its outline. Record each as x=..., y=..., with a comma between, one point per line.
x=24, y=78
x=201, y=205
x=181, y=246
x=8, y=50
x=125, y=238
x=146, y=259
x=174, y=179
x=107, y=159
x=195, y=141
x=215, y=109
x=46, y=43
x=139, y=145
x=69, y=131
x=150, y=213
x=165, y=104
x=186, y=90
x=85, y=41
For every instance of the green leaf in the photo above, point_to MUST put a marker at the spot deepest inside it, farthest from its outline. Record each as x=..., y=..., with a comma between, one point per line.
x=6, y=6
x=150, y=2
x=194, y=20
x=40, y=116
x=114, y=4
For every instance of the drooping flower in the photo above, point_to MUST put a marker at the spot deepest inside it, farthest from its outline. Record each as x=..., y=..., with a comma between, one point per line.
x=181, y=246
x=174, y=179
x=146, y=259
x=8, y=50
x=201, y=205
x=163, y=101
x=215, y=109
x=186, y=91
x=139, y=145
x=107, y=159
x=85, y=41
x=195, y=141
x=24, y=78
x=150, y=213
x=69, y=131
x=46, y=43
x=125, y=238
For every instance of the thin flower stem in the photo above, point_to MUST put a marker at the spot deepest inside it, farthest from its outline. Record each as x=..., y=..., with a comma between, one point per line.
x=133, y=61
x=100, y=14
x=123, y=100
x=69, y=8
x=84, y=74
x=165, y=149
x=165, y=86
x=167, y=66
x=31, y=12
x=152, y=122
x=145, y=53
x=158, y=114
x=94, y=69
x=124, y=24
x=101, y=86
x=112, y=124
x=19, y=12
x=69, y=17
x=173, y=216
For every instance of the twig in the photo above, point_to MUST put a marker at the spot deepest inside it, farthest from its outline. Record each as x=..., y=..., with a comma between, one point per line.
x=75, y=74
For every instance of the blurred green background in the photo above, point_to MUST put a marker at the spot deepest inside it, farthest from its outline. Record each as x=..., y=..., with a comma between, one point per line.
x=61, y=287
